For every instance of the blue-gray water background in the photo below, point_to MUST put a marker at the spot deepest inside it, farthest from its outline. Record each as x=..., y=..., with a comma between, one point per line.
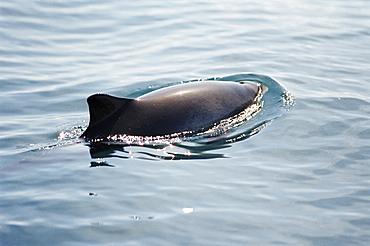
x=303, y=180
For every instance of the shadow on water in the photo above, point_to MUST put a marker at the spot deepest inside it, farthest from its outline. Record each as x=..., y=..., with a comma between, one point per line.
x=276, y=101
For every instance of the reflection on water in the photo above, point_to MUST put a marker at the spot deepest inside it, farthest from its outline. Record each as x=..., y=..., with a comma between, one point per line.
x=150, y=152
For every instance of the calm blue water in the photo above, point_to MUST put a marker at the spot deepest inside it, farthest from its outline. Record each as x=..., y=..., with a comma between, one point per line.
x=304, y=179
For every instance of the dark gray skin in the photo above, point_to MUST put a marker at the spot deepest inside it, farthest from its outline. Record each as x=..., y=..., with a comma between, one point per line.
x=188, y=107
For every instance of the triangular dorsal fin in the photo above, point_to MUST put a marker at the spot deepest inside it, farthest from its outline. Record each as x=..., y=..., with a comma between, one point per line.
x=103, y=105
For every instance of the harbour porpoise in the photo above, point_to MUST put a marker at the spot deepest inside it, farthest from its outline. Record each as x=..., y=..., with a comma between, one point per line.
x=181, y=108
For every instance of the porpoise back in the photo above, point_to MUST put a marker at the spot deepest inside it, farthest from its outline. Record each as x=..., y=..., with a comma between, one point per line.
x=187, y=107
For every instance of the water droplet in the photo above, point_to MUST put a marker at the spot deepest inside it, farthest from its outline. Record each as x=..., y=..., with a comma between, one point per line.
x=187, y=210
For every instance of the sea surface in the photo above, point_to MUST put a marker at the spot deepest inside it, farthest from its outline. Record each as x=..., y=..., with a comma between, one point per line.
x=298, y=173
